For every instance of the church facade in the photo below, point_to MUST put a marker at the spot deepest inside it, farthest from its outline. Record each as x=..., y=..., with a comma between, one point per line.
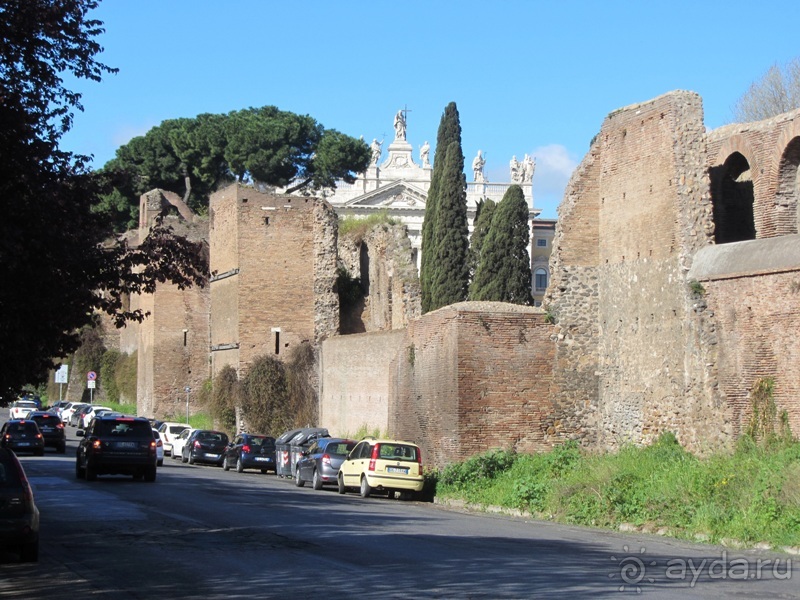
x=399, y=185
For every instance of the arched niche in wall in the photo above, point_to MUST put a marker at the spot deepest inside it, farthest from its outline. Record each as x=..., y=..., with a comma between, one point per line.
x=787, y=196
x=363, y=260
x=732, y=197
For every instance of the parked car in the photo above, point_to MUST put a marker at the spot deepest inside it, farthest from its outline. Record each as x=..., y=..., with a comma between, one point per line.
x=179, y=442
x=21, y=408
x=250, y=451
x=69, y=410
x=159, y=446
x=58, y=407
x=205, y=446
x=19, y=516
x=169, y=431
x=52, y=429
x=116, y=445
x=320, y=463
x=386, y=465
x=21, y=435
x=76, y=419
x=89, y=414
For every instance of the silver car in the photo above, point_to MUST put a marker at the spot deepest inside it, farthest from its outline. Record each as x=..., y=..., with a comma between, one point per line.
x=320, y=463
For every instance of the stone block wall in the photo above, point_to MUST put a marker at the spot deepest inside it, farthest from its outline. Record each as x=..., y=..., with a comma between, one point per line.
x=382, y=258
x=355, y=386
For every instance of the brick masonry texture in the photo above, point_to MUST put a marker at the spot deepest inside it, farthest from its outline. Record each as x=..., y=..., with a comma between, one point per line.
x=638, y=352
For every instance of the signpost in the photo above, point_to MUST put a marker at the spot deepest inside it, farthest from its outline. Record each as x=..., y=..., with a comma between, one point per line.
x=91, y=378
x=62, y=377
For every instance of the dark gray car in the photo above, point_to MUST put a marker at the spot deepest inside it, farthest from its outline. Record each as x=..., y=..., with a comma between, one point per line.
x=320, y=463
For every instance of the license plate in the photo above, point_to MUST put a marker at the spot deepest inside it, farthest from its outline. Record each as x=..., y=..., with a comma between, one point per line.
x=262, y=459
x=24, y=444
x=212, y=455
x=126, y=445
x=397, y=470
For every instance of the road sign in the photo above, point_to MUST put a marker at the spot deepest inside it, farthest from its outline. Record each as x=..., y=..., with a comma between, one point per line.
x=91, y=376
x=62, y=374
x=90, y=384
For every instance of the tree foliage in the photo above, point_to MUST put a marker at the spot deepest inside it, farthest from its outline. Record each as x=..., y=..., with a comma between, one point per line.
x=776, y=92
x=504, y=271
x=194, y=157
x=449, y=132
x=57, y=264
x=450, y=272
x=225, y=397
x=265, y=396
x=483, y=220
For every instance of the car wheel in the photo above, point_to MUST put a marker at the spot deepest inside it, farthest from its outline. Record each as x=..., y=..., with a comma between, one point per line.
x=160, y=463
x=365, y=490
x=239, y=465
x=298, y=481
x=29, y=552
x=91, y=474
x=191, y=457
x=225, y=466
x=340, y=483
x=183, y=458
x=150, y=474
x=316, y=480
x=79, y=473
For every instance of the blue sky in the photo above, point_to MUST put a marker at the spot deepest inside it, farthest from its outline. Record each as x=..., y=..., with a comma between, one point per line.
x=527, y=76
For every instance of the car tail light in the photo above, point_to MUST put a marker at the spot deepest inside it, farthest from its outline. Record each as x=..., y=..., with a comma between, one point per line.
x=97, y=444
x=159, y=443
x=60, y=426
x=152, y=447
x=326, y=459
x=419, y=460
x=26, y=486
x=246, y=448
x=197, y=444
x=38, y=436
x=375, y=454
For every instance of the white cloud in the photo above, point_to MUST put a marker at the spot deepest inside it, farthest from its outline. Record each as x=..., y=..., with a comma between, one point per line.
x=554, y=167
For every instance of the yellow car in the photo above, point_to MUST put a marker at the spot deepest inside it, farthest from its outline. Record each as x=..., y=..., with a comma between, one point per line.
x=385, y=465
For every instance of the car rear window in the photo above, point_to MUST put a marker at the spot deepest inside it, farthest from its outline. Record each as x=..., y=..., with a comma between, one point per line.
x=177, y=428
x=398, y=452
x=23, y=427
x=49, y=419
x=340, y=448
x=261, y=441
x=9, y=475
x=123, y=428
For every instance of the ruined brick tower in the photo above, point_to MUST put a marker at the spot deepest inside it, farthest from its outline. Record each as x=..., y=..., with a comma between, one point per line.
x=273, y=275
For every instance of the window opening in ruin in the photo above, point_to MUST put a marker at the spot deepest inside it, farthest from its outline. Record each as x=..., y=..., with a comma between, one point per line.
x=363, y=262
x=266, y=220
x=787, y=197
x=277, y=342
x=732, y=199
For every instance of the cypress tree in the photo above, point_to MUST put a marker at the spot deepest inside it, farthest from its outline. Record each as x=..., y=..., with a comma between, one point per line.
x=449, y=131
x=483, y=219
x=450, y=269
x=504, y=271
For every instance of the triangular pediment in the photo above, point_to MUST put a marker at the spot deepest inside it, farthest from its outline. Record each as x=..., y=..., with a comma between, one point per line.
x=397, y=194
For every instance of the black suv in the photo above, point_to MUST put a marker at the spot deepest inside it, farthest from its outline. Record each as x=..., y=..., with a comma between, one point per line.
x=52, y=429
x=116, y=445
x=21, y=435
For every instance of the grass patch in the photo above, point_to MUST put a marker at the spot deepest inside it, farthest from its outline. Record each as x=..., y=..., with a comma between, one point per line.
x=751, y=495
x=357, y=228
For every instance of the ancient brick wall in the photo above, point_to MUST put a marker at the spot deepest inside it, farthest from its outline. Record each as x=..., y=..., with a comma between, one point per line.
x=753, y=291
x=620, y=296
x=172, y=342
x=355, y=383
x=471, y=377
x=772, y=151
x=273, y=268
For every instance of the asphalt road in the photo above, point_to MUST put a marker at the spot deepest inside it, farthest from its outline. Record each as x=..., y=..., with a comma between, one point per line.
x=200, y=532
